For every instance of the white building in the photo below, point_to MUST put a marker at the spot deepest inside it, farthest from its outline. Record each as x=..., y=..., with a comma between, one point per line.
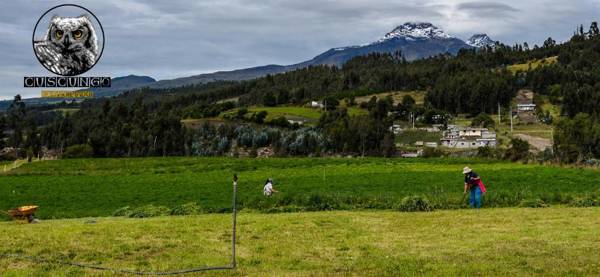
x=524, y=101
x=316, y=104
x=457, y=137
x=396, y=129
x=525, y=107
x=431, y=144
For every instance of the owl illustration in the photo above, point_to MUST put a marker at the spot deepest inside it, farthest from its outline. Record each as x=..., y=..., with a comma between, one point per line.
x=70, y=46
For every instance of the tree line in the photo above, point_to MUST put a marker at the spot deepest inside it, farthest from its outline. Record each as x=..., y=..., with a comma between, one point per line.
x=147, y=121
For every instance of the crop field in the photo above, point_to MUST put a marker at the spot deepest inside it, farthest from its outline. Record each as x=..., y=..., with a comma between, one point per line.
x=99, y=187
x=489, y=242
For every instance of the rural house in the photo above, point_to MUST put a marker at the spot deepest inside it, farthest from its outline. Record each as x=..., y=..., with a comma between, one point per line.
x=461, y=137
x=316, y=104
x=525, y=107
x=524, y=101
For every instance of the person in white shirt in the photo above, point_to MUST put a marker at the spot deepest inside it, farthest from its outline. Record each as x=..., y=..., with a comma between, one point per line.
x=268, y=190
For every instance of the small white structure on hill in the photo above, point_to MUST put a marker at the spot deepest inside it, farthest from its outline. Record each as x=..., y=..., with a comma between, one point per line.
x=316, y=104
x=396, y=129
x=431, y=144
x=524, y=101
x=526, y=107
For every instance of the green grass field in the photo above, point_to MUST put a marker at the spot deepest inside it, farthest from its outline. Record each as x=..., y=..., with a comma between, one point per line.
x=409, y=137
x=490, y=242
x=311, y=115
x=98, y=187
x=66, y=111
x=524, y=67
x=397, y=96
x=537, y=130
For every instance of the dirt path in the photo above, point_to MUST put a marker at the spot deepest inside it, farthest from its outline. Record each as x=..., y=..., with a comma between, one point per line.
x=537, y=142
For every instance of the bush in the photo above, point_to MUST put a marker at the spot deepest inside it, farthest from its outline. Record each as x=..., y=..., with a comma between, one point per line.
x=318, y=202
x=241, y=113
x=545, y=156
x=191, y=208
x=430, y=152
x=149, y=211
x=78, y=151
x=519, y=150
x=415, y=204
x=125, y=211
x=259, y=117
x=489, y=152
x=483, y=120
x=280, y=121
x=584, y=202
x=331, y=103
x=535, y=203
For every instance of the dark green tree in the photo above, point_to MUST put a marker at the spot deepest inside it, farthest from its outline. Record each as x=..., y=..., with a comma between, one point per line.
x=483, y=120
x=269, y=99
x=519, y=150
x=331, y=103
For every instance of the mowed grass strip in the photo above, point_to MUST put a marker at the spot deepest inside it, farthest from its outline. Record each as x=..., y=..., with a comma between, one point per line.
x=489, y=242
x=98, y=187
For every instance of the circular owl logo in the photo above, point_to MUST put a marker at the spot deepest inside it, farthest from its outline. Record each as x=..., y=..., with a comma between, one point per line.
x=68, y=40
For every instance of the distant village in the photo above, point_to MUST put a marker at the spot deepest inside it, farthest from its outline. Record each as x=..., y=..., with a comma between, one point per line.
x=466, y=137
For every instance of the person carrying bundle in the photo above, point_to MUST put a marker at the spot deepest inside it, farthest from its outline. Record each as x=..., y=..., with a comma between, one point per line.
x=475, y=185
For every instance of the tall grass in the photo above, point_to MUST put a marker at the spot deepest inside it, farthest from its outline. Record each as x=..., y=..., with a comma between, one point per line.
x=98, y=187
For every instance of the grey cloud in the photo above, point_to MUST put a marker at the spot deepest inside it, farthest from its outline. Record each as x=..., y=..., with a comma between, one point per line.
x=487, y=9
x=168, y=39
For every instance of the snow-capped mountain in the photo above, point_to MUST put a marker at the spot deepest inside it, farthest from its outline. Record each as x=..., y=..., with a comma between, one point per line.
x=416, y=40
x=416, y=30
x=480, y=41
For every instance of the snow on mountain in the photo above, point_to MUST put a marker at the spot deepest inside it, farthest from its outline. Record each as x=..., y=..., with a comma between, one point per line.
x=416, y=40
x=480, y=40
x=416, y=30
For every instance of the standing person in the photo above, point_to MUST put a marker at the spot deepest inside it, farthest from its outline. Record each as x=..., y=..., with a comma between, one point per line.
x=476, y=187
x=268, y=189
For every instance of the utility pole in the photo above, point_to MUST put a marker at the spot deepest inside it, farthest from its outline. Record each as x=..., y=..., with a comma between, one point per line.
x=233, y=261
x=511, y=119
x=499, y=116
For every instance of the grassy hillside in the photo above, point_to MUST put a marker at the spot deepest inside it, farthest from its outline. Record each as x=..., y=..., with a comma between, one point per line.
x=523, y=67
x=397, y=96
x=98, y=187
x=310, y=115
x=490, y=242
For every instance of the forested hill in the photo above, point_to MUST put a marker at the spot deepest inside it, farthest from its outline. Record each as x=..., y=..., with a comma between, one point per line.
x=473, y=81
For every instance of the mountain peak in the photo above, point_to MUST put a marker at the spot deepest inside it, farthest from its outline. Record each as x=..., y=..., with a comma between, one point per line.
x=481, y=40
x=416, y=30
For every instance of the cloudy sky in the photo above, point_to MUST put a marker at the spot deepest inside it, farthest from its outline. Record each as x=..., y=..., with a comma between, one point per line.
x=168, y=39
